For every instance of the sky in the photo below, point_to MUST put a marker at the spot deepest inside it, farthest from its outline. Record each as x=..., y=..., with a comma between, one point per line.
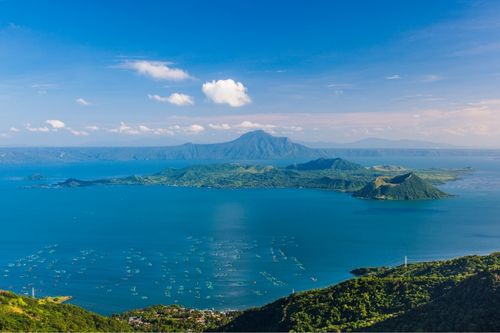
x=92, y=73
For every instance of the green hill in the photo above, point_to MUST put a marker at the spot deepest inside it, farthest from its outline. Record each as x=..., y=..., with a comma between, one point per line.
x=472, y=306
x=338, y=164
x=453, y=295
x=19, y=313
x=408, y=186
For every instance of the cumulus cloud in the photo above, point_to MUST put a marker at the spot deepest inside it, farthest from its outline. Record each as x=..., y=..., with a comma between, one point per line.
x=175, y=98
x=14, y=129
x=222, y=126
x=37, y=129
x=77, y=132
x=251, y=125
x=180, y=99
x=158, y=98
x=82, y=101
x=56, y=124
x=143, y=129
x=163, y=131
x=226, y=92
x=393, y=77
x=195, y=128
x=158, y=70
x=125, y=129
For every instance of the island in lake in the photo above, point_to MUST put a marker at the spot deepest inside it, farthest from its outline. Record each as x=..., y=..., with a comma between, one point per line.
x=377, y=182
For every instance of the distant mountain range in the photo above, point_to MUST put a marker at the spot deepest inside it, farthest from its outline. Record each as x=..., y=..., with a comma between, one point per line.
x=378, y=143
x=256, y=145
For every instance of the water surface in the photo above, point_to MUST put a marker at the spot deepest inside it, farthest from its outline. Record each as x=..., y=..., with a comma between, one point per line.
x=117, y=248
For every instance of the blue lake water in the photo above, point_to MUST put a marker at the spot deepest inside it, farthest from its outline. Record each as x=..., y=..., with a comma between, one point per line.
x=117, y=248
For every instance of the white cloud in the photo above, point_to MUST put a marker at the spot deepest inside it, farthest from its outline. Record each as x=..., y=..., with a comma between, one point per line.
x=56, y=124
x=393, y=77
x=195, y=128
x=226, y=92
x=76, y=132
x=158, y=70
x=144, y=128
x=82, y=101
x=92, y=128
x=180, y=99
x=251, y=125
x=36, y=129
x=175, y=98
x=158, y=98
x=124, y=129
x=431, y=78
x=222, y=126
x=14, y=129
x=163, y=131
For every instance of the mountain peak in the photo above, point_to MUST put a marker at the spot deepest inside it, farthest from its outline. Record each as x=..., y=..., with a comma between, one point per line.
x=325, y=164
x=257, y=134
x=260, y=144
x=407, y=186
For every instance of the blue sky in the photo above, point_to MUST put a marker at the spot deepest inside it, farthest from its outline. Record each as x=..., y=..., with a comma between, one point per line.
x=158, y=72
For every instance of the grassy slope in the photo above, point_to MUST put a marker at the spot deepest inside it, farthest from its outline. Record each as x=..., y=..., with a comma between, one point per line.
x=18, y=313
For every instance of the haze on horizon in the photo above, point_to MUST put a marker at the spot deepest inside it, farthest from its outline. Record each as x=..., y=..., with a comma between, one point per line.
x=163, y=73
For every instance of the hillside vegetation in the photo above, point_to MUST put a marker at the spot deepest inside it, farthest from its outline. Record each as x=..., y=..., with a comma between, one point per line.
x=462, y=294
x=408, y=186
x=19, y=313
x=455, y=295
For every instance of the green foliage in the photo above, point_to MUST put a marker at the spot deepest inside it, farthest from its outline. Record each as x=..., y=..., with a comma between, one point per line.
x=18, y=313
x=472, y=306
x=325, y=164
x=425, y=296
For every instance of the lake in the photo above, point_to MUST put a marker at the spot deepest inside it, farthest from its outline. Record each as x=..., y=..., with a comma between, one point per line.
x=118, y=248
